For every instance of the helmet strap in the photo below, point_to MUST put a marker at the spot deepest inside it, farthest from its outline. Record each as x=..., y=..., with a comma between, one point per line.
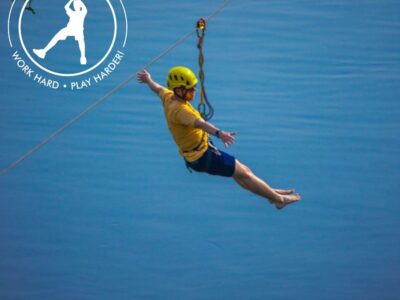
x=184, y=94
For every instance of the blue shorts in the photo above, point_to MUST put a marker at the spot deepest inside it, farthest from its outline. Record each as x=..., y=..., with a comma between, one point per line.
x=214, y=162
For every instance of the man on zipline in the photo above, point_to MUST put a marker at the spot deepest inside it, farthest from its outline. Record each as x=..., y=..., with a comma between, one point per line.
x=75, y=28
x=191, y=134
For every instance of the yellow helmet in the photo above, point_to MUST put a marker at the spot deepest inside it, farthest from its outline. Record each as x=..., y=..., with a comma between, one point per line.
x=181, y=77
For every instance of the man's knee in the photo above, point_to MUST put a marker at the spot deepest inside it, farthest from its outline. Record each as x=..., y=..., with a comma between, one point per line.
x=62, y=37
x=242, y=171
x=62, y=34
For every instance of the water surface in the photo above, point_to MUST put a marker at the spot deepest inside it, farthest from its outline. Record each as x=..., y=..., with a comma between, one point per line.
x=107, y=210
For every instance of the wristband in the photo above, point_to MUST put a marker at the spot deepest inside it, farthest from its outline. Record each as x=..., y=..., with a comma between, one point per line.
x=217, y=133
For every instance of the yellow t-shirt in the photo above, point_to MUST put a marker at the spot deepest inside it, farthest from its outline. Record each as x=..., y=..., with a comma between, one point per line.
x=180, y=118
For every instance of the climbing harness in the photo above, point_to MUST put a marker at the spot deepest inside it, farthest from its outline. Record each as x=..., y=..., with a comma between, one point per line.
x=106, y=96
x=198, y=145
x=207, y=156
x=205, y=108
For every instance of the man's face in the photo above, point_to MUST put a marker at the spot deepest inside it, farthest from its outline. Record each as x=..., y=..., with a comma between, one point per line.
x=190, y=94
x=186, y=94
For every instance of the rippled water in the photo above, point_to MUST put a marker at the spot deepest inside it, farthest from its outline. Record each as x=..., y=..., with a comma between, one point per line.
x=107, y=210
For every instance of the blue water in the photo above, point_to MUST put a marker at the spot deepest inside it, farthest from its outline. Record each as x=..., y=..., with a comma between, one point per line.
x=107, y=210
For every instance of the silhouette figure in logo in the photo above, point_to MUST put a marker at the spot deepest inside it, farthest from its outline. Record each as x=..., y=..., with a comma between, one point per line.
x=75, y=28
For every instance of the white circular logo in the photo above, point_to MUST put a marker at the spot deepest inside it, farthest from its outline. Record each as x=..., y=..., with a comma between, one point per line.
x=67, y=39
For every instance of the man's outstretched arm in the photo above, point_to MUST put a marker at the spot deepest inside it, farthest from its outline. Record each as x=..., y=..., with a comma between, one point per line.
x=145, y=77
x=67, y=6
x=227, y=137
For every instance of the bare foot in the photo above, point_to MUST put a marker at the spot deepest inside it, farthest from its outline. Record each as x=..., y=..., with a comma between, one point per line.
x=40, y=53
x=83, y=60
x=284, y=192
x=287, y=199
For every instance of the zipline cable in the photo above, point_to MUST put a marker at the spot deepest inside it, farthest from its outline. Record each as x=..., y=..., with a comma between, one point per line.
x=106, y=96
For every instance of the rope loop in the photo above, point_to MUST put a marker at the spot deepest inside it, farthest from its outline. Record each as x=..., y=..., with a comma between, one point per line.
x=205, y=108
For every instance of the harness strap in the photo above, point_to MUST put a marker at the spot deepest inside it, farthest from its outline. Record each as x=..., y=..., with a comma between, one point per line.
x=198, y=145
x=207, y=156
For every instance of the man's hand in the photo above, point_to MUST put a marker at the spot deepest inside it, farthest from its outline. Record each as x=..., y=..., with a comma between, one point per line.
x=68, y=4
x=143, y=76
x=227, y=138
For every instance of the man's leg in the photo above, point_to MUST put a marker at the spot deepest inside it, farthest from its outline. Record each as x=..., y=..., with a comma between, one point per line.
x=61, y=35
x=248, y=180
x=82, y=48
